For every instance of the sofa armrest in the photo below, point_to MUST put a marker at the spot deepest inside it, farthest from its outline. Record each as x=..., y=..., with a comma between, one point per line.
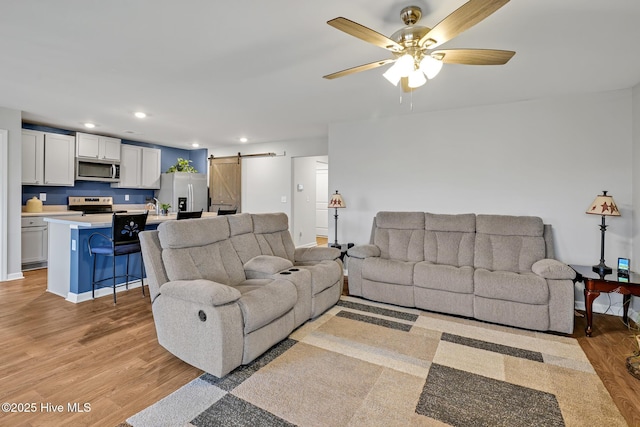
x=364, y=251
x=200, y=291
x=316, y=254
x=553, y=269
x=265, y=265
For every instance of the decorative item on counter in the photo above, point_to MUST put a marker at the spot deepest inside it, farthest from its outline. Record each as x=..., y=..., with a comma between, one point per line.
x=34, y=205
x=164, y=208
x=182, y=166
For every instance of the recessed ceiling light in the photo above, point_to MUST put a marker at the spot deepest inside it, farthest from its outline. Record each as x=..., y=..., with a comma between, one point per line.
x=89, y=125
x=195, y=144
x=140, y=114
x=243, y=139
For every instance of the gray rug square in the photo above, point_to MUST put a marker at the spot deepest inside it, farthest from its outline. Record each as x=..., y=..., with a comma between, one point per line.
x=461, y=398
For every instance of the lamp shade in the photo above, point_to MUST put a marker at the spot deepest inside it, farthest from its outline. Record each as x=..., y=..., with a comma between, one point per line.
x=337, y=201
x=603, y=205
x=430, y=66
x=416, y=79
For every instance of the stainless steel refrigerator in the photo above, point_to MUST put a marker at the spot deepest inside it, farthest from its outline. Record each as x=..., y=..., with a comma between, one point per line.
x=184, y=191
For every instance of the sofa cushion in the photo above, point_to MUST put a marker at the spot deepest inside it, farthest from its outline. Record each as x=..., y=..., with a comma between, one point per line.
x=217, y=262
x=201, y=291
x=323, y=275
x=272, y=233
x=388, y=271
x=508, y=243
x=449, y=239
x=444, y=277
x=400, y=235
x=525, y=288
x=553, y=269
x=183, y=234
x=262, y=265
x=266, y=304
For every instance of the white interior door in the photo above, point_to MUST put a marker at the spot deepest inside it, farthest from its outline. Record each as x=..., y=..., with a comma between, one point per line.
x=322, y=199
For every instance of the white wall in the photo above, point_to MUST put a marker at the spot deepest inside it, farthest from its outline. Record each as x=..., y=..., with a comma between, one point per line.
x=11, y=120
x=265, y=180
x=304, y=200
x=547, y=158
x=635, y=261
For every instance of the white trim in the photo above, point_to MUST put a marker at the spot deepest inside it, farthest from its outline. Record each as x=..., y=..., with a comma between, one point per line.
x=102, y=292
x=15, y=276
x=4, y=188
x=613, y=309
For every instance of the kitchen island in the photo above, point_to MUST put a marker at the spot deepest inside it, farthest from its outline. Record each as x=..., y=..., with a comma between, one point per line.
x=70, y=263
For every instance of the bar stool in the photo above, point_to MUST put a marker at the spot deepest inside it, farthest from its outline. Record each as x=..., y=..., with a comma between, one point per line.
x=123, y=241
x=227, y=211
x=189, y=214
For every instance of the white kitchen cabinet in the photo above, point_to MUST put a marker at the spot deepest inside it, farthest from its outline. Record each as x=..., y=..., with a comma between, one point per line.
x=139, y=167
x=34, y=240
x=47, y=158
x=150, y=168
x=92, y=146
x=32, y=157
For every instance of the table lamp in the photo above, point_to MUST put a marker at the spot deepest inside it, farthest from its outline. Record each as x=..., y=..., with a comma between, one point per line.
x=605, y=206
x=336, y=202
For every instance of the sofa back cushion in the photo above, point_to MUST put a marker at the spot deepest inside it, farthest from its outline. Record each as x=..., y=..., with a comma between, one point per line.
x=400, y=235
x=450, y=239
x=200, y=249
x=242, y=237
x=508, y=243
x=272, y=233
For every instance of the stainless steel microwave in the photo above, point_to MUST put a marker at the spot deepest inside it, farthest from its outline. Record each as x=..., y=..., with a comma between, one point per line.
x=97, y=170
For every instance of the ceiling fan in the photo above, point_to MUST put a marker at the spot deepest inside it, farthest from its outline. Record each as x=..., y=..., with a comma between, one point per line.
x=415, y=57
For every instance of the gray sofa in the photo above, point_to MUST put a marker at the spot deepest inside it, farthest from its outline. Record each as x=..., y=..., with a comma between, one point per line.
x=225, y=289
x=494, y=268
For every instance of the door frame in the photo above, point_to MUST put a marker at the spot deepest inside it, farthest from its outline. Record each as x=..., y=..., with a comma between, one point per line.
x=4, y=189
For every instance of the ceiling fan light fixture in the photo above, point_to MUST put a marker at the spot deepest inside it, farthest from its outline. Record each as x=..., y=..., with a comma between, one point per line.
x=392, y=75
x=430, y=66
x=405, y=65
x=416, y=79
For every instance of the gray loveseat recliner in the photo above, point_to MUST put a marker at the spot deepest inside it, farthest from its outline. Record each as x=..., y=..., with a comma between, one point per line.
x=225, y=289
x=495, y=268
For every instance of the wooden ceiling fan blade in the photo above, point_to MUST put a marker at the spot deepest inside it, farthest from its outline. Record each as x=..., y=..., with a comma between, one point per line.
x=364, y=33
x=474, y=56
x=358, y=69
x=463, y=18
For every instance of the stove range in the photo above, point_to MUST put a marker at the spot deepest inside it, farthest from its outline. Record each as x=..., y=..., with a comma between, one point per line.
x=90, y=205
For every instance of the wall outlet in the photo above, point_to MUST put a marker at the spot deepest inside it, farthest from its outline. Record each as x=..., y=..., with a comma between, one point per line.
x=283, y=199
x=73, y=244
x=126, y=197
x=43, y=197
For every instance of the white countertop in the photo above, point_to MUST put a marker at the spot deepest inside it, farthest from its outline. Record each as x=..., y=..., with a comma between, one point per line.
x=48, y=213
x=105, y=220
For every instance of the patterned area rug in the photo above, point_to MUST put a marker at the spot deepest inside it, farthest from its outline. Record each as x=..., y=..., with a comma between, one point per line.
x=370, y=364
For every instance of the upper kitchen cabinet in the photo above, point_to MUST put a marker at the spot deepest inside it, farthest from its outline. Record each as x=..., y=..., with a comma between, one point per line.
x=139, y=168
x=91, y=146
x=47, y=158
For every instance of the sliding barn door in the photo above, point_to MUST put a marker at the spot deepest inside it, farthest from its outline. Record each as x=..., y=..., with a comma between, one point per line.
x=224, y=183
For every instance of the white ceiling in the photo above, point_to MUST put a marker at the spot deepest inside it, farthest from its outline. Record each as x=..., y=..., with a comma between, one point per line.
x=211, y=71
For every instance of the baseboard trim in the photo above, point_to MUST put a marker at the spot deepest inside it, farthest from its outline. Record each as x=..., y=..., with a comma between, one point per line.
x=615, y=310
x=102, y=292
x=15, y=276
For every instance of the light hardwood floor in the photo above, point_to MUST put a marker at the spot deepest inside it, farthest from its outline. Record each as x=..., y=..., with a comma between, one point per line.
x=108, y=356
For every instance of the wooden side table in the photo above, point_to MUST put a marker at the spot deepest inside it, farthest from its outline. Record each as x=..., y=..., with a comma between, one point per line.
x=594, y=284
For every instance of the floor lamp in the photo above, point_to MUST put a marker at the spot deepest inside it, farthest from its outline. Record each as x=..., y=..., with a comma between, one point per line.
x=336, y=202
x=605, y=206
